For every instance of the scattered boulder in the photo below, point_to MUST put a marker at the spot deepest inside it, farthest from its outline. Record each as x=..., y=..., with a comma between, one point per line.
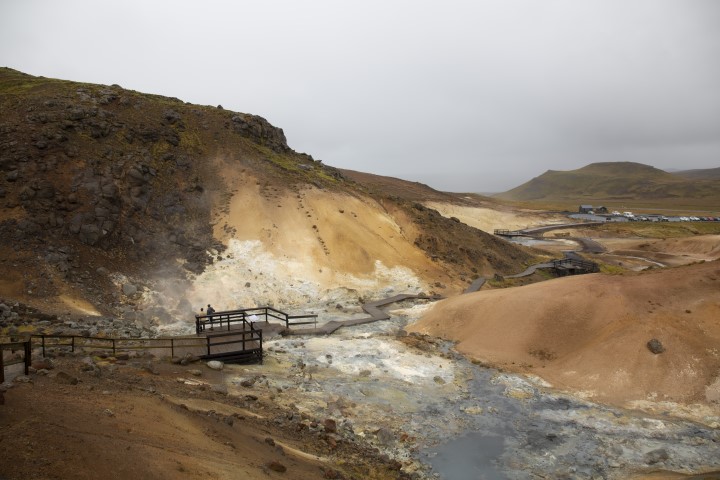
x=66, y=379
x=655, y=346
x=188, y=359
x=248, y=382
x=129, y=289
x=385, y=436
x=43, y=364
x=330, y=425
x=219, y=388
x=150, y=368
x=656, y=456
x=215, y=365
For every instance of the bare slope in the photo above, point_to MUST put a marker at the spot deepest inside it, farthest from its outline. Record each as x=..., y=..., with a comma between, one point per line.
x=590, y=333
x=616, y=181
x=168, y=424
x=101, y=186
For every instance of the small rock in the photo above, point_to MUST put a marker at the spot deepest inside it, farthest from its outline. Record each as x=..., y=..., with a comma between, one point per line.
x=439, y=380
x=385, y=436
x=66, y=379
x=330, y=425
x=247, y=382
x=195, y=372
x=655, y=346
x=109, y=412
x=219, y=388
x=188, y=359
x=129, y=289
x=270, y=441
x=656, y=456
x=150, y=368
x=215, y=365
x=43, y=364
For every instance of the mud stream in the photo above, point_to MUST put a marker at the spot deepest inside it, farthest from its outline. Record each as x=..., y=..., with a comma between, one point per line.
x=444, y=417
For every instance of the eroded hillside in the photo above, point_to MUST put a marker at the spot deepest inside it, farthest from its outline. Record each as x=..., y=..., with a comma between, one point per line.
x=590, y=334
x=113, y=199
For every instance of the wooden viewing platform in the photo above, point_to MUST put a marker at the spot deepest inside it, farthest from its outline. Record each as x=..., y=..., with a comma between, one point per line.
x=233, y=337
x=229, y=336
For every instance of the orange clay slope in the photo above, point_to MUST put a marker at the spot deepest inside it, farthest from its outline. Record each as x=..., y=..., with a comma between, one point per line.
x=589, y=333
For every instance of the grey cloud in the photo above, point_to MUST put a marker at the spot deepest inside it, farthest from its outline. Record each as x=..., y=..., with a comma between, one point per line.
x=465, y=96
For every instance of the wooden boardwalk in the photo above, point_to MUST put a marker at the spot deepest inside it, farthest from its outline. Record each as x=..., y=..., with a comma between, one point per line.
x=535, y=231
x=572, y=264
x=371, y=308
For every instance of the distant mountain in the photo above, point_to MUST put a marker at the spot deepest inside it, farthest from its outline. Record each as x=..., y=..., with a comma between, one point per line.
x=699, y=174
x=618, y=181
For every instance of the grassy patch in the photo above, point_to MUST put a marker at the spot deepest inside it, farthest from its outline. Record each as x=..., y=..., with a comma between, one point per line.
x=608, y=269
x=191, y=140
x=662, y=229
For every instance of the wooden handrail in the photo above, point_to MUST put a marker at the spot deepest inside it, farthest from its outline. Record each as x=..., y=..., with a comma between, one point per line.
x=27, y=356
x=240, y=316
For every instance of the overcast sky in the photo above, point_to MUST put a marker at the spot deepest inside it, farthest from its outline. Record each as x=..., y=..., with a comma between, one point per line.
x=473, y=96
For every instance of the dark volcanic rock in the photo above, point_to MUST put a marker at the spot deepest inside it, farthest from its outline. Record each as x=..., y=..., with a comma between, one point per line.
x=655, y=346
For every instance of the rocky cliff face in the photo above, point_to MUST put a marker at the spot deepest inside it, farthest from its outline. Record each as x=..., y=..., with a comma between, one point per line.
x=112, y=169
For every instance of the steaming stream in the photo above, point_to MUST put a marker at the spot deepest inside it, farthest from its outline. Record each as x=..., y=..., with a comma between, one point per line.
x=428, y=407
x=435, y=409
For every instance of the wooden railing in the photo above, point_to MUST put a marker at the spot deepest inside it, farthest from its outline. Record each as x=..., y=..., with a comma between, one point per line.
x=225, y=319
x=78, y=342
x=12, y=346
x=251, y=341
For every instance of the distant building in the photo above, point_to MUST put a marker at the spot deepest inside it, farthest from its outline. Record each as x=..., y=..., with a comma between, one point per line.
x=591, y=210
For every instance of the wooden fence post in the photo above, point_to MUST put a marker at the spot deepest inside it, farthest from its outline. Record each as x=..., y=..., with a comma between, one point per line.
x=43, y=346
x=2, y=367
x=172, y=347
x=28, y=356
